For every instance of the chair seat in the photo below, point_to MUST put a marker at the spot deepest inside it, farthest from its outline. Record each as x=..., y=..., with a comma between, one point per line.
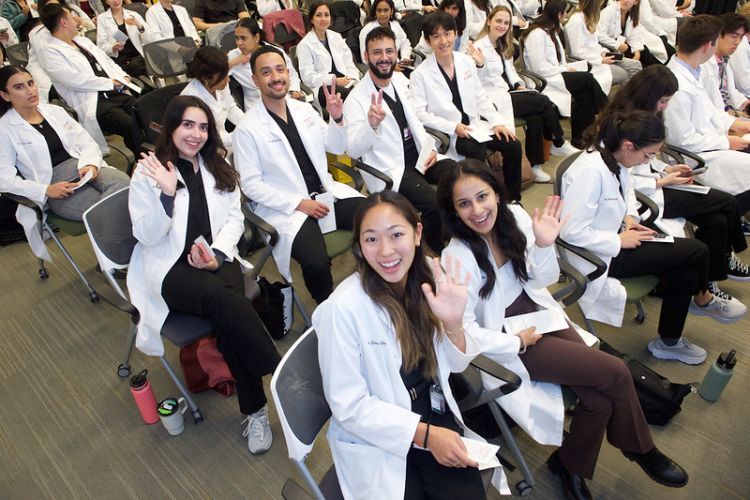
x=183, y=329
x=337, y=242
x=71, y=227
x=638, y=287
x=520, y=122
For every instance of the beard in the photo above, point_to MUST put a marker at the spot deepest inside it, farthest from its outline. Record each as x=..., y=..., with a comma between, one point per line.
x=380, y=74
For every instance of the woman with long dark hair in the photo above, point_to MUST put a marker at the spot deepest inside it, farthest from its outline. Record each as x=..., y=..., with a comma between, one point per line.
x=600, y=202
x=184, y=202
x=511, y=260
x=576, y=93
x=456, y=9
x=128, y=54
x=388, y=338
x=382, y=13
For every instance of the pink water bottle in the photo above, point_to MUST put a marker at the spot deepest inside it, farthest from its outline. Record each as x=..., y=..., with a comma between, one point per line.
x=144, y=397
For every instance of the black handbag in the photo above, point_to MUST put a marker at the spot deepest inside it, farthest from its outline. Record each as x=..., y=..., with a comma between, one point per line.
x=274, y=306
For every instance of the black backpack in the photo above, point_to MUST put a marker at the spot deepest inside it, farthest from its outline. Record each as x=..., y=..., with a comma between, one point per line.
x=269, y=305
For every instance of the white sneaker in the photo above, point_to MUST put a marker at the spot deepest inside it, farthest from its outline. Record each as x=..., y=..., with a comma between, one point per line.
x=683, y=351
x=722, y=309
x=566, y=149
x=258, y=431
x=540, y=175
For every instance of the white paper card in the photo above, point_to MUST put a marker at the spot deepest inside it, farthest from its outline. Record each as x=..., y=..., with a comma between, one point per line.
x=690, y=188
x=327, y=223
x=425, y=152
x=482, y=453
x=578, y=65
x=120, y=36
x=666, y=239
x=134, y=88
x=84, y=179
x=545, y=321
x=201, y=242
x=481, y=132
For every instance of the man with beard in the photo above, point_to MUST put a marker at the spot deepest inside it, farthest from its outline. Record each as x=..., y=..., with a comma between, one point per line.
x=280, y=152
x=384, y=131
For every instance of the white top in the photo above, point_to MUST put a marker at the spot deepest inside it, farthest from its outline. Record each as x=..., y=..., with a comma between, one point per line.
x=12, y=37
x=243, y=73
x=161, y=25
x=315, y=61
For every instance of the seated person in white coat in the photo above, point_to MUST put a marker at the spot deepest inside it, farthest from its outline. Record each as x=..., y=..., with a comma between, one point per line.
x=493, y=54
x=576, y=94
x=740, y=60
x=384, y=131
x=87, y=79
x=448, y=96
x=183, y=191
x=511, y=260
x=670, y=17
x=43, y=151
x=322, y=54
x=583, y=42
x=719, y=73
x=388, y=339
x=84, y=21
x=693, y=121
x=280, y=151
x=249, y=37
x=169, y=20
x=620, y=27
x=209, y=71
x=456, y=9
x=128, y=53
x=382, y=14
x=600, y=204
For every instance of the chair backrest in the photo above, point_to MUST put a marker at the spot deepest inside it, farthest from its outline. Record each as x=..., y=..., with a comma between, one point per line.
x=140, y=8
x=188, y=4
x=413, y=28
x=297, y=389
x=284, y=38
x=18, y=54
x=344, y=17
x=228, y=41
x=561, y=168
x=148, y=111
x=352, y=41
x=91, y=35
x=170, y=57
x=111, y=231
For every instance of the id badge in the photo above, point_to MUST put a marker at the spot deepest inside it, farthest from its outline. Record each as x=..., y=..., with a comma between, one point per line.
x=437, y=399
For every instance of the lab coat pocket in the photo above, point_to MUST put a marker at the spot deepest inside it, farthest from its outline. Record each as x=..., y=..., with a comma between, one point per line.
x=360, y=467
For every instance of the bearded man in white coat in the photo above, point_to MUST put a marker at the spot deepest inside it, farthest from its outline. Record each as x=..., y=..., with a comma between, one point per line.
x=280, y=151
x=694, y=123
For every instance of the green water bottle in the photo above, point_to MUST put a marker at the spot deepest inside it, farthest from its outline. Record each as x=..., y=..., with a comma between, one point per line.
x=718, y=376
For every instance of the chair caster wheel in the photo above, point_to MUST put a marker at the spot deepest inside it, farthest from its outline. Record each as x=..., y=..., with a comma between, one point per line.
x=197, y=417
x=93, y=297
x=43, y=274
x=524, y=489
x=640, y=319
x=123, y=370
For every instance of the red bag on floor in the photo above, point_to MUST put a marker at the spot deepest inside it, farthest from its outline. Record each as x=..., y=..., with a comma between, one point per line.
x=204, y=367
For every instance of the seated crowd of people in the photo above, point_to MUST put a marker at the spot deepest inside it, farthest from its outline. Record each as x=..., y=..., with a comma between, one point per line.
x=446, y=254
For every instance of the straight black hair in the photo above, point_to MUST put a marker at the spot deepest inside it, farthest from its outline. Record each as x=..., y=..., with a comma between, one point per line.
x=435, y=21
x=379, y=33
x=51, y=15
x=6, y=72
x=209, y=65
x=371, y=16
x=265, y=49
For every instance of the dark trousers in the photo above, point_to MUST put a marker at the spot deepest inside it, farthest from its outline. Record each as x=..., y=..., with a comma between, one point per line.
x=607, y=398
x=418, y=191
x=718, y=221
x=512, y=153
x=426, y=478
x=439, y=169
x=715, y=7
x=682, y=266
x=134, y=66
x=588, y=99
x=115, y=116
x=542, y=122
x=240, y=334
x=309, y=249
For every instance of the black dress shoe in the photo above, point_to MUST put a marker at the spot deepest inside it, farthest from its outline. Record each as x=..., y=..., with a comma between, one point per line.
x=575, y=486
x=660, y=468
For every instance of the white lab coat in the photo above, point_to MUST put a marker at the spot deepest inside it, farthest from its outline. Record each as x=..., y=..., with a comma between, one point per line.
x=657, y=24
x=643, y=178
x=740, y=63
x=713, y=85
x=62, y=61
x=475, y=19
x=529, y=8
x=243, y=73
x=694, y=123
x=223, y=107
x=491, y=77
x=382, y=148
x=610, y=33
x=597, y=209
x=315, y=61
x=372, y=425
x=540, y=56
x=536, y=406
x=161, y=240
x=271, y=177
x=106, y=27
x=585, y=45
x=433, y=101
x=403, y=46
x=12, y=37
x=26, y=165
x=161, y=25
x=39, y=38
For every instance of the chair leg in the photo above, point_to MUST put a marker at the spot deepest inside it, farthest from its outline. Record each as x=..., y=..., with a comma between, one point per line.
x=641, y=311
x=589, y=324
x=311, y=483
x=92, y=294
x=197, y=416
x=123, y=369
x=510, y=441
x=43, y=274
x=302, y=311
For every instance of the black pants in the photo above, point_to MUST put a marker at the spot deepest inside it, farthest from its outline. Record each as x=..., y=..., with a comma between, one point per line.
x=439, y=169
x=133, y=66
x=512, y=153
x=309, y=249
x=426, y=478
x=718, y=221
x=542, y=122
x=682, y=266
x=115, y=116
x=240, y=335
x=714, y=7
x=588, y=99
x=418, y=191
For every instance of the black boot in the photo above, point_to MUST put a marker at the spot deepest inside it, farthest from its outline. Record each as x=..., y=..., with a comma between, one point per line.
x=575, y=486
x=660, y=468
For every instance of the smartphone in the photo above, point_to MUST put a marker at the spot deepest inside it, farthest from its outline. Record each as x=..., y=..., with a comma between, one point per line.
x=617, y=56
x=75, y=180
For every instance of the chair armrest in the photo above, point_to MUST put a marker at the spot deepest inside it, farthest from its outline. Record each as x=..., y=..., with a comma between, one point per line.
x=539, y=81
x=359, y=182
x=610, y=48
x=120, y=303
x=359, y=164
x=419, y=53
x=510, y=380
x=570, y=294
x=601, y=267
x=679, y=154
x=444, y=140
x=22, y=200
x=647, y=204
x=261, y=224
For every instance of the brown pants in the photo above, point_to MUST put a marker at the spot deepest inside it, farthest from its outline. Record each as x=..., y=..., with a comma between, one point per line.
x=607, y=398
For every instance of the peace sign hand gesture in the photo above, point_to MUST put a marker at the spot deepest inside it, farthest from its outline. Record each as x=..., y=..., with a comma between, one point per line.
x=334, y=103
x=165, y=177
x=547, y=224
x=375, y=114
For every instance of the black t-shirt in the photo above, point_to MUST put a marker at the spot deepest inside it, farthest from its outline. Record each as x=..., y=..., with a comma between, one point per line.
x=198, y=221
x=334, y=69
x=57, y=152
x=419, y=392
x=176, y=26
x=411, y=154
x=128, y=51
x=98, y=70
x=306, y=166
x=218, y=11
x=453, y=86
